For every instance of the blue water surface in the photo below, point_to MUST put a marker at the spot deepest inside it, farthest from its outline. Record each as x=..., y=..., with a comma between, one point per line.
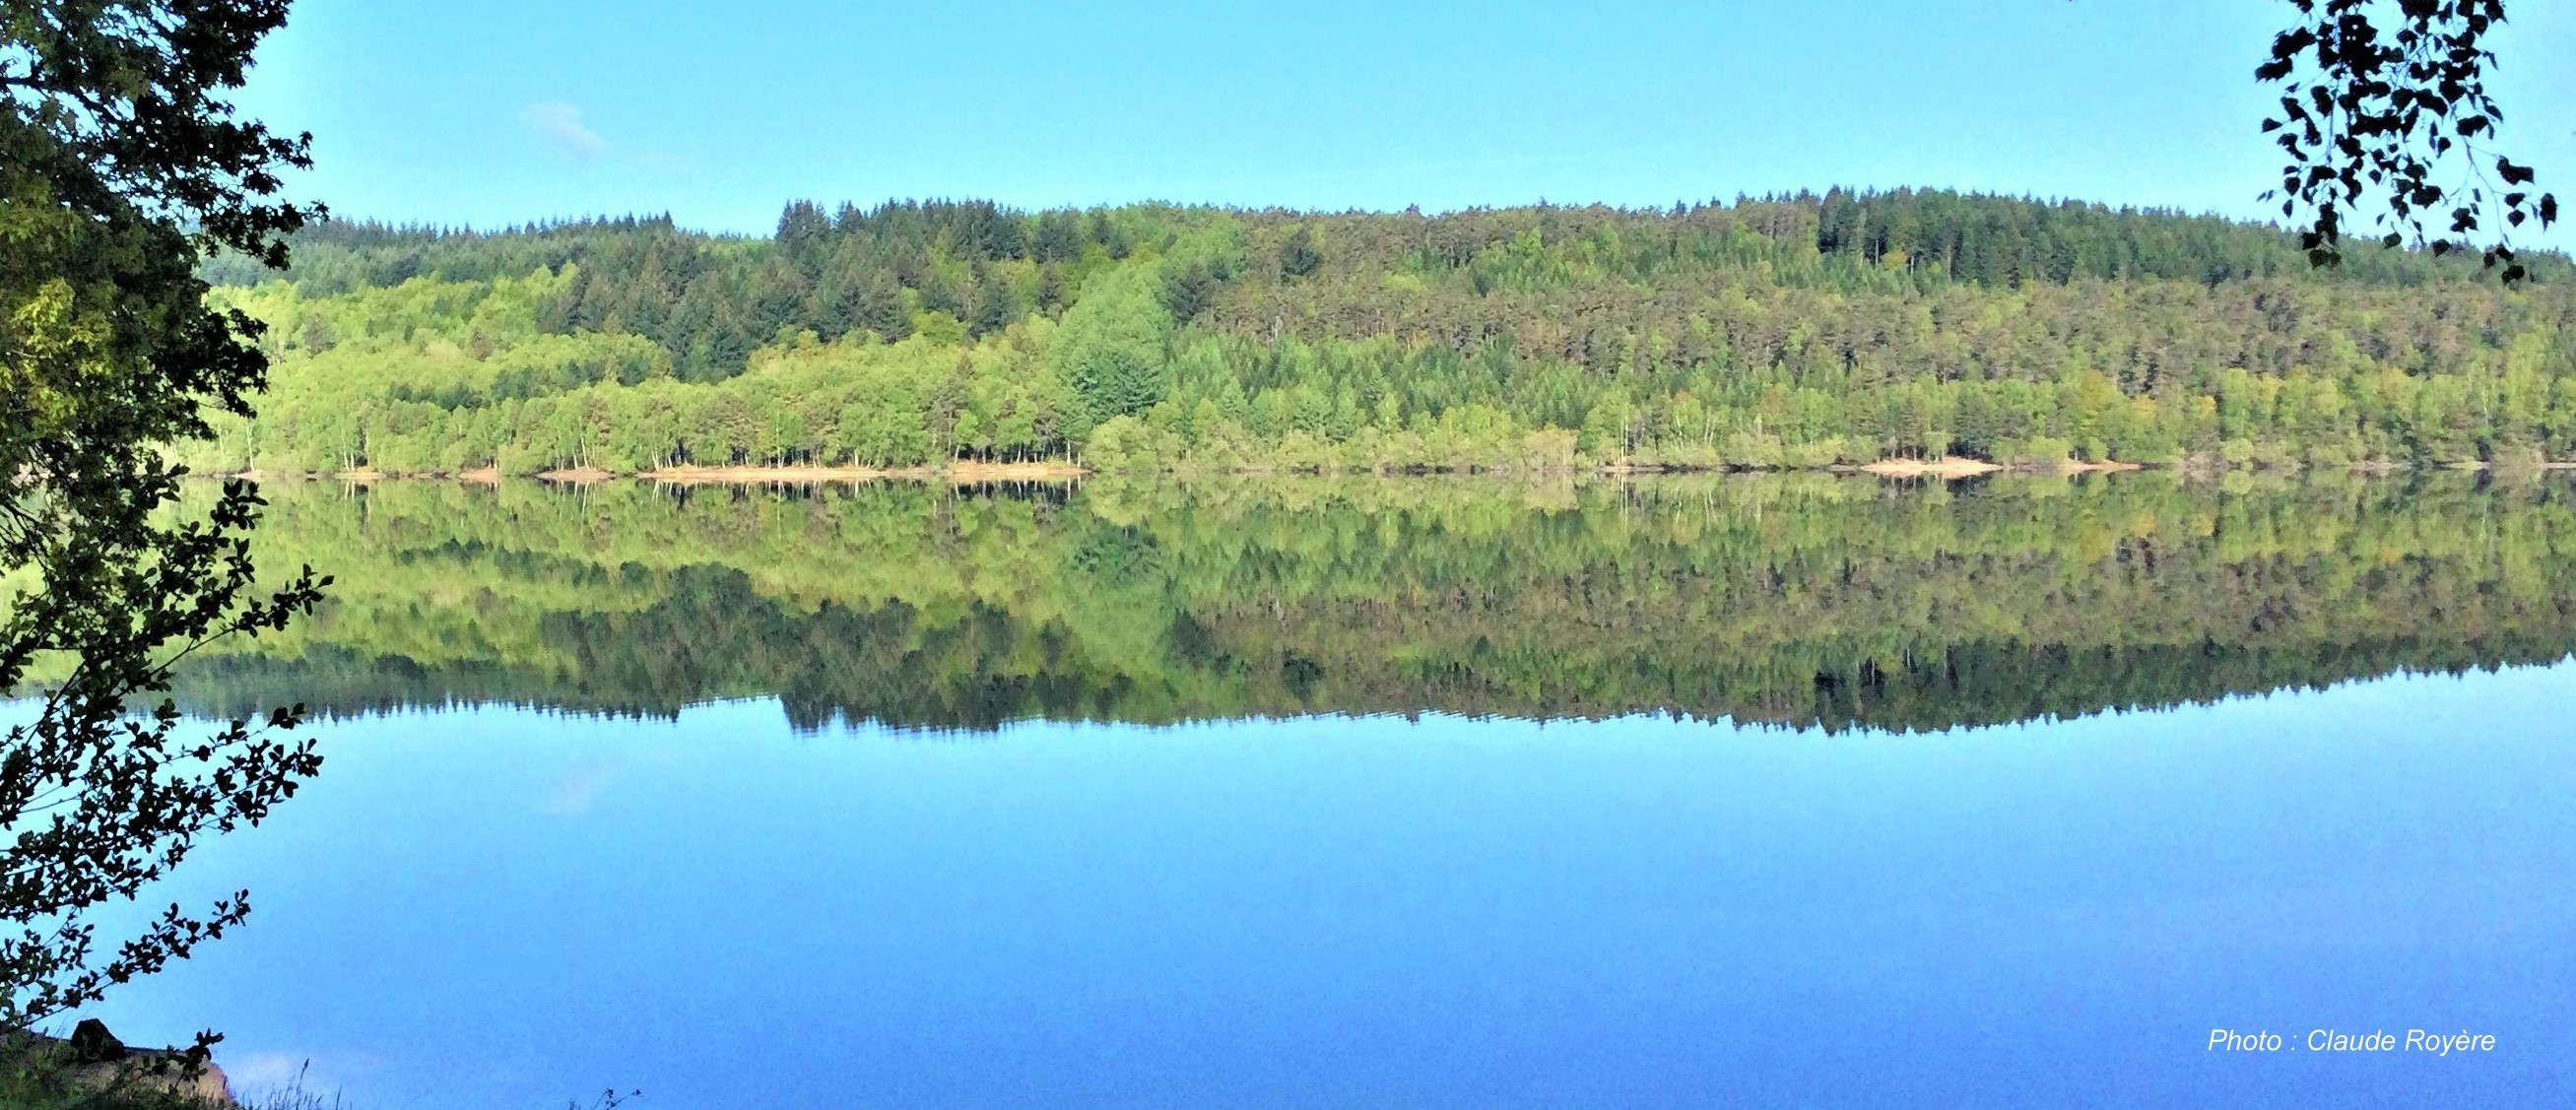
x=500, y=907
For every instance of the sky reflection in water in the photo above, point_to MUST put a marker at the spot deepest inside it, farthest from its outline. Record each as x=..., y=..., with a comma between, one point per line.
x=508, y=907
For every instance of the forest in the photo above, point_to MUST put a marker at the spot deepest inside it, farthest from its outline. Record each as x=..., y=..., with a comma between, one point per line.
x=1792, y=599
x=1778, y=332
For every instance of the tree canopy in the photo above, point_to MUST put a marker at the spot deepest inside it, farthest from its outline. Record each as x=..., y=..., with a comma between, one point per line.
x=1799, y=330
x=120, y=165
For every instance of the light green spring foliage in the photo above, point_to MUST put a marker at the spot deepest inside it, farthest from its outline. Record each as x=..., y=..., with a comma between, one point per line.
x=432, y=376
x=1114, y=349
x=1789, y=333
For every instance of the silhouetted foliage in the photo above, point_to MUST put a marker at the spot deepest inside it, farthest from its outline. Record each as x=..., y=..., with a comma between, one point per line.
x=2378, y=99
x=119, y=164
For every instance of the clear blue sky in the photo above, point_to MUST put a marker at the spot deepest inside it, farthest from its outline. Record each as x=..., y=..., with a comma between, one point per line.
x=485, y=112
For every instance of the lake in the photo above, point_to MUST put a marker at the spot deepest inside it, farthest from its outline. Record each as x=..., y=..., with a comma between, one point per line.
x=1682, y=791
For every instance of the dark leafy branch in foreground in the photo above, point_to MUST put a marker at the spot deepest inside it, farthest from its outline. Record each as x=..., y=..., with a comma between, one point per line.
x=120, y=162
x=101, y=803
x=2398, y=108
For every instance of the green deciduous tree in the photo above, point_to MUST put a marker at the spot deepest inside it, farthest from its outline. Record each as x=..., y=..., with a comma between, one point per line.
x=1111, y=349
x=120, y=163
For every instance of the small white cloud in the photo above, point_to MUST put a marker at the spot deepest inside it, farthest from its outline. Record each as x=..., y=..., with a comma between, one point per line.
x=579, y=791
x=266, y=1072
x=560, y=123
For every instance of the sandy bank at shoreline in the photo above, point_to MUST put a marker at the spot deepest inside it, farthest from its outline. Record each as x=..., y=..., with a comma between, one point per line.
x=1948, y=466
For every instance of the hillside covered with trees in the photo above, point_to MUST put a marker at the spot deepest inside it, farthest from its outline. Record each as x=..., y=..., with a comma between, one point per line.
x=1788, y=331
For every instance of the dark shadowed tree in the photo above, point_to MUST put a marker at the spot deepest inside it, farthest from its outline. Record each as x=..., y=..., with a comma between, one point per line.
x=994, y=304
x=1298, y=257
x=120, y=165
x=1059, y=237
x=804, y=235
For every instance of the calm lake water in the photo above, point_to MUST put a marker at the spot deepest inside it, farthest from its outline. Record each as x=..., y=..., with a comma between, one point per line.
x=1412, y=792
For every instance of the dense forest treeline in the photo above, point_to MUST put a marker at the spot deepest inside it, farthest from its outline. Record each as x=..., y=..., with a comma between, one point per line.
x=1796, y=599
x=1785, y=331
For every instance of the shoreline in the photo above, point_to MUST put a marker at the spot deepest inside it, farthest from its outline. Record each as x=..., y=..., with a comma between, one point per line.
x=962, y=473
x=1949, y=468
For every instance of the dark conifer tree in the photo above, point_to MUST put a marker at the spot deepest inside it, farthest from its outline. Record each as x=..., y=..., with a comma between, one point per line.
x=1298, y=257
x=994, y=307
x=1052, y=295
x=805, y=235
x=1058, y=237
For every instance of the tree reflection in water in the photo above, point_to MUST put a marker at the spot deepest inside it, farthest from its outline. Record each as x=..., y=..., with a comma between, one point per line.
x=1796, y=599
